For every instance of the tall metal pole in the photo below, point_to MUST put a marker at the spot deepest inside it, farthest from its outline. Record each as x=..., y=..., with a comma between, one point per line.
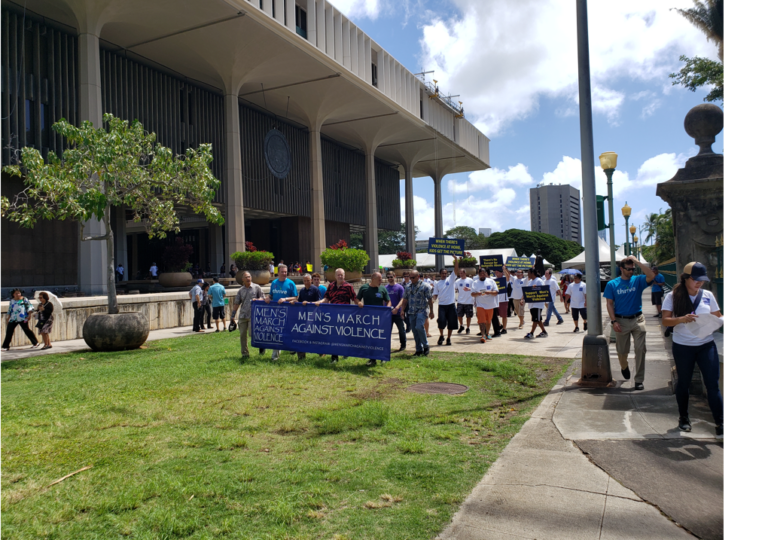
x=592, y=253
x=609, y=174
x=626, y=246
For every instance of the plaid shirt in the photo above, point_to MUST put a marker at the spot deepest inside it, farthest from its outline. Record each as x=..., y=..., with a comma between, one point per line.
x=340, y=295
x=418, y=297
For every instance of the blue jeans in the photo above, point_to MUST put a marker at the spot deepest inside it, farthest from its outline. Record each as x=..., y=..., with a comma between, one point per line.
x=686, y=357
x=417, y=327
x=550, y=310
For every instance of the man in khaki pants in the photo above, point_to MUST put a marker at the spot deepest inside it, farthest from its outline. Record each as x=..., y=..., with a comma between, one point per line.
x=625, y=307
x=245, y=295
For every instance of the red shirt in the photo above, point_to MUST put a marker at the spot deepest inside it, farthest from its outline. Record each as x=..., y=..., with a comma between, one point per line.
x=340, y=295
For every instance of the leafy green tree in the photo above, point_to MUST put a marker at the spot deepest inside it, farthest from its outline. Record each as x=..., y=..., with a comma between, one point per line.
x=699, y=72
x=707, y=16
x=394, y=241
x=650, y=225
x=117, y=165
x=554, y=249
x=663, y=248
x=472, y=240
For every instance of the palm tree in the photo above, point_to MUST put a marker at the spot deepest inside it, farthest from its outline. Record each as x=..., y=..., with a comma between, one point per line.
x=707, y=16
x=651, y=225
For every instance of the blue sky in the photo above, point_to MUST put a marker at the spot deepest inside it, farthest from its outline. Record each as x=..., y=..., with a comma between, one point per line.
x=514, y=65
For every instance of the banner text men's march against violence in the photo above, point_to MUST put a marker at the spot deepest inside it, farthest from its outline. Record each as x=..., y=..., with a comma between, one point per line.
x=326, y=329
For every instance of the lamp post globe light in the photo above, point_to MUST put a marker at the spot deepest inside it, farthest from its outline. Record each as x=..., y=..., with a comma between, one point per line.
x=626, y=211
x=608, y=163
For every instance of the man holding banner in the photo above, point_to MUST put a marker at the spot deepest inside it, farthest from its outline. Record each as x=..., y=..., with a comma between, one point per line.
x=374, y=294
x=340, y=292
x=249, y=292
x=445, y=292
x=466, y=302
x=281, y=290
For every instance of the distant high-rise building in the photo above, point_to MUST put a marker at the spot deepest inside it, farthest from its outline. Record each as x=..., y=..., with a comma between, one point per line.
x=556, y=210
x=484, y=232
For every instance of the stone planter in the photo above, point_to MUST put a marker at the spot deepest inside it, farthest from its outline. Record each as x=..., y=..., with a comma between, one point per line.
x=400, y=272
x=471, y=271
x=259, y=277
x=330, y=275
x=175, y=279
x=119, y=332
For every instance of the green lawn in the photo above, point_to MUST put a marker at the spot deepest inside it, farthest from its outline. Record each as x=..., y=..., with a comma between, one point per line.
x=188, y=442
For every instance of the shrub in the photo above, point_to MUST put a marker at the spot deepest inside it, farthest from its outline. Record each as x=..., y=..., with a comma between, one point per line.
x=252, y=260
x=397, y=263
x=467, y=262
x=175, y=257
x=340, y=256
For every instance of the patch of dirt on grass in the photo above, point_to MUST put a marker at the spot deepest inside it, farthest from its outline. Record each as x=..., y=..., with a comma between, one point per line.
x=381, y=390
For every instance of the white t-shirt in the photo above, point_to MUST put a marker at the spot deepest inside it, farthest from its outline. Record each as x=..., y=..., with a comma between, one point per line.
x=465, y=296
x=445, y=290
x=488, y=285
x=502, y=296
x=537, y=282
x=517, y=288
x=554, y=286
x=578, y=292
x=683, y=336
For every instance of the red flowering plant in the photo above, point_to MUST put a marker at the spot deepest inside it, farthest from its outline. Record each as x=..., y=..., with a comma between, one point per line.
x=340, y=255
x=467, y=261
x=252, y=258
x=404, y=260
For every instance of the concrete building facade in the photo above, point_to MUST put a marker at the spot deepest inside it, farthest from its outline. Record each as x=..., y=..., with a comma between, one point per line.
x=227, y=72
x=556, y=210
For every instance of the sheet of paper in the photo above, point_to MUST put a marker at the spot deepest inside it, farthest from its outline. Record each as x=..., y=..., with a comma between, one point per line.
x=705, y=324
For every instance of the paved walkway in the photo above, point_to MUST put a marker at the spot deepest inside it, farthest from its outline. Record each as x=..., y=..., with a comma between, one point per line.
x=603, y=463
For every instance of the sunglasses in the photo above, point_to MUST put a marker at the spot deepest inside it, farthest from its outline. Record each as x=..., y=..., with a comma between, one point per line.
x=414, y=277
x=630, y=268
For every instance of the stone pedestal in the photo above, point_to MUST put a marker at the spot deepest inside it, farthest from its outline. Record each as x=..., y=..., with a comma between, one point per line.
x=695, y=194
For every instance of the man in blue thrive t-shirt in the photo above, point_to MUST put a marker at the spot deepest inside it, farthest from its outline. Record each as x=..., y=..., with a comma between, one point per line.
x=625, y=308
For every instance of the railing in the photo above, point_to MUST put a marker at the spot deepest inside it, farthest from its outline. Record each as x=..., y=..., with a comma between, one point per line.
x=719, y=280
x=669, y=270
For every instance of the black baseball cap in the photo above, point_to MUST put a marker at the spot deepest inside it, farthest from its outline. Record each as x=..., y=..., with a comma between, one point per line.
x=697, y=271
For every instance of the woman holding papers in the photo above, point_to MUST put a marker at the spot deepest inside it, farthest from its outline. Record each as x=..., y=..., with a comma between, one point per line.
x=695, y=314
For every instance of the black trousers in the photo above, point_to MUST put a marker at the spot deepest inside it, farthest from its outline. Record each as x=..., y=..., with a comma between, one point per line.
x=11, y=328
x=207, y=313
x=495, y=321
x=197, y=322
x=398, y=320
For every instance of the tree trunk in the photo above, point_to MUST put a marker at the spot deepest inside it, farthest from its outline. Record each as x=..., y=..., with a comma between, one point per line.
x=111, y=290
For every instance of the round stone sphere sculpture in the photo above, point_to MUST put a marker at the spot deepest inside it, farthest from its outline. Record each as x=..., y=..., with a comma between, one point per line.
x=118, y=332
x=703, y=123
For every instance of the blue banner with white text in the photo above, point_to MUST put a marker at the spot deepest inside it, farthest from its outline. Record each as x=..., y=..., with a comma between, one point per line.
x=335, y=329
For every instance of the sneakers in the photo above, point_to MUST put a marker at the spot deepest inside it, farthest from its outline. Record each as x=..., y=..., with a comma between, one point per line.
x=217, y=330
x=546, y=323
x=440, y=340
x=576, y=330
x=480, y=334
x=639, y=386
x=401, y=349
x=488, y=338
x=461, y=329
x=448, y=341
x=625, y=372
x=503, y=331
x=658, y=316
x=35, y=346
x=371, y=363
x=275, y=355
x=8, y=348
x=529, y=335
x=334, y=359
x=543, y=334
x=262, y=351
x=685, y=424
x=561, y=321
x=418, y=353
x=482, y=339
x=426, y=351
x=585, y=327
x=467, y=330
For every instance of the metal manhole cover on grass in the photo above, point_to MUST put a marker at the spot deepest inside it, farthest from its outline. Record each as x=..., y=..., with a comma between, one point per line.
x=438, y=388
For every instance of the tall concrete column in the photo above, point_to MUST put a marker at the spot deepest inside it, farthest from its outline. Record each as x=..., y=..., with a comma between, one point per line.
x=371, y=221
x=92, y=255
x=233, y=178
x=410, y=231
x=438, y=178
x=216, y=249
x=318, y=198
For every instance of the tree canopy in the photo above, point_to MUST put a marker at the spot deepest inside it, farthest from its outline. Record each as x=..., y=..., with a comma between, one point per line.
x=117, y=165
x=554, y=249
x=472, y=240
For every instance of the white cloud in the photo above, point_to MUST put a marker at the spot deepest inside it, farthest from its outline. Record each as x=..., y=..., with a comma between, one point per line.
x=358, y=8
x=423, y=216
x=502, y=57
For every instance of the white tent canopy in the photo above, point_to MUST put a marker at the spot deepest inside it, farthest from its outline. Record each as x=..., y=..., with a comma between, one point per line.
x=427, y=260
x=605, y=256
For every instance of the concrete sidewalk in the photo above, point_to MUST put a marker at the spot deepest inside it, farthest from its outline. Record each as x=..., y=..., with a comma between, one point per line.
x=604, y=463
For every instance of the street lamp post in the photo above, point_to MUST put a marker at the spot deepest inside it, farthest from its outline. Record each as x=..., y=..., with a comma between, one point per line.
x=608, y=163
x=637, y=248
x=595, y=359
x=626, y=211
x=632, y=231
